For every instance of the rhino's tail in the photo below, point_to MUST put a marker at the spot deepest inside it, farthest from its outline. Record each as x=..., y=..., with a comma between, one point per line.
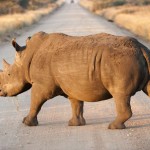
x=146, y=54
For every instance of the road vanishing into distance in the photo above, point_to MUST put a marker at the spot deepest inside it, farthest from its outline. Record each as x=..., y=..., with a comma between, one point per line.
x=53, y=133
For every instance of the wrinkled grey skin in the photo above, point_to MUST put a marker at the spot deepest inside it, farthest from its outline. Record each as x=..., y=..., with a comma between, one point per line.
x=90, y=68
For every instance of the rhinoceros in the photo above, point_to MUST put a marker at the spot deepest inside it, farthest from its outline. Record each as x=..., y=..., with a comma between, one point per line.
x=83, y=69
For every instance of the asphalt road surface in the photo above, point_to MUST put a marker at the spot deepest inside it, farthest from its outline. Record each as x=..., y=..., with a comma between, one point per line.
x=53, y=132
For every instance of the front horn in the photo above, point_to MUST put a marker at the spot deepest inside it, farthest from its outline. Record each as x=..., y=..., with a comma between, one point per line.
x=6, y=65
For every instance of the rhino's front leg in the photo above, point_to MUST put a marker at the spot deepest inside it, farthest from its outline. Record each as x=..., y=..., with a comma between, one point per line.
x=77, y=113
x=124, y=112
x=37, y=100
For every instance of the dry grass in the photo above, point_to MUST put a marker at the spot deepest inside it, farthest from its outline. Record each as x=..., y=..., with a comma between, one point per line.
x=87, y=4
x=95, y=5
x=132, y=17
x=16, y=21
x=21, y=6
x=137, y=22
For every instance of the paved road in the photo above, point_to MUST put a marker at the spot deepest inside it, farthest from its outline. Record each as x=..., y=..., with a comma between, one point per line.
x=53, y=132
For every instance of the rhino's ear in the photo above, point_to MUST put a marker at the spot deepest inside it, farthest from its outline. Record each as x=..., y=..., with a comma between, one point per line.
x=28, y=39
x=15, y=45
x=6, y=65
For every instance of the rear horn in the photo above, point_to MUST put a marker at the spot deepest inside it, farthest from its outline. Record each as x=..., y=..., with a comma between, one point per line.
x=15, y=45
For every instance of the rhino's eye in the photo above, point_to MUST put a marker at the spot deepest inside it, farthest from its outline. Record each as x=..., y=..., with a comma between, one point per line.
x=8, y=74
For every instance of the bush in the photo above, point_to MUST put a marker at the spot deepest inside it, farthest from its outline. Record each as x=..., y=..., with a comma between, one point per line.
x=24, y=3
x=139, y=2
x=119, y=2
x=145, y=2
x=100, y=4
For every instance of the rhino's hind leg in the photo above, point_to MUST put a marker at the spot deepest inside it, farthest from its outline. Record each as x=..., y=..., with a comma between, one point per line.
x=77, y=113
x=37, y=100
x=124, y=112
x=30, y=121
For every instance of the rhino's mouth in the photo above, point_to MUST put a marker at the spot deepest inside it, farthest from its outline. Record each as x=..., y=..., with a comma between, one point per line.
x=2, y=93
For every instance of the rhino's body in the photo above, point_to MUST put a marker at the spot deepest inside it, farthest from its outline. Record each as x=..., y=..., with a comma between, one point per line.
x=91, y=68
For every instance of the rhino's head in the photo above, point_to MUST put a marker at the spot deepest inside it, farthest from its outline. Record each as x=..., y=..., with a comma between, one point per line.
x=12, y=77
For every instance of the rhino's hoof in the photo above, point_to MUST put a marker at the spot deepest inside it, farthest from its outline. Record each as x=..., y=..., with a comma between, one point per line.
x=116, y=126
x=82, y=121
x=73, y=122
x=30, y=122
x=77, y=122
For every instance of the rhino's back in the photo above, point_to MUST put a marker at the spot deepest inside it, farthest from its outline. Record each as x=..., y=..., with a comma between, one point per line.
x=90, y=68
